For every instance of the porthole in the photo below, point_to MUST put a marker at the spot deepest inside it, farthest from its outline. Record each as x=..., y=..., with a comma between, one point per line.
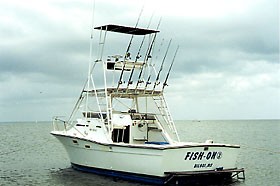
x=75, y=142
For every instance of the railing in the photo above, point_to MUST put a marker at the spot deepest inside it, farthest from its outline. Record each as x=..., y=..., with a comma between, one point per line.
x=59, y=124
x=161, y=104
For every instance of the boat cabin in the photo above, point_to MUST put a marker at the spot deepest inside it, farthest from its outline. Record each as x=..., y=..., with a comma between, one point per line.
x=128, y=127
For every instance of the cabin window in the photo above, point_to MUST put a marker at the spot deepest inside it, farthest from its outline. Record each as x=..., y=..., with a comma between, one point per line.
x=94, y=115
x=139, y=116
x=80, y=125
x=132, y=111
x=110, y=65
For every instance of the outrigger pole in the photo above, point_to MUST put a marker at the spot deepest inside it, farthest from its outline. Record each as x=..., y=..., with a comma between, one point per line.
x=161, y=67
x=137, y=56
x=165, y=82
x=147, y=56
x=87, y=83
x=127, y=50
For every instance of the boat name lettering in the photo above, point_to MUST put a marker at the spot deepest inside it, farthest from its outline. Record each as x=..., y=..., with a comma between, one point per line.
x=202, y=155
x=202, y=165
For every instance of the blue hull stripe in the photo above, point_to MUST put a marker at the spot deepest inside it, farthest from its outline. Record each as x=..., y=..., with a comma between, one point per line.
x=122, y=175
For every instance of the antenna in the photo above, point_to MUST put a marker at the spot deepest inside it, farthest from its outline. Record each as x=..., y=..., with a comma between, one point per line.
x=127, y=50
x=161, y=66
x=165, y=82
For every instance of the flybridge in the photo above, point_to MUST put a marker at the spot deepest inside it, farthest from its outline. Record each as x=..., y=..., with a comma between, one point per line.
x=136, y=67
x=126, y=29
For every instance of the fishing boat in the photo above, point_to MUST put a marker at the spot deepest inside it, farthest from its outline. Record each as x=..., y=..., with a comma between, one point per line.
x=121, y=125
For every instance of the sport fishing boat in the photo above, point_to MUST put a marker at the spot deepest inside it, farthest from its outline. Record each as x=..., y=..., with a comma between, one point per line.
x=121, y=125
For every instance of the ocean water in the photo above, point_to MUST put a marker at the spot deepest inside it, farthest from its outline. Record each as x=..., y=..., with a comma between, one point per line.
x=29, y=155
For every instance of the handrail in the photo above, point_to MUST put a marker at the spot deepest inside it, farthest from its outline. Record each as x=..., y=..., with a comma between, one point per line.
x=55, y=125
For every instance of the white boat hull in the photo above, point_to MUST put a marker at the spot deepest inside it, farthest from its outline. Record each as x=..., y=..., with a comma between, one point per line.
x=150, y=160
x=125, y=128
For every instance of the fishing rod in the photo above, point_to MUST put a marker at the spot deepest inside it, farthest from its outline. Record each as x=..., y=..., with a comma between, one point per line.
x=161, y=66
x=127, y=54
x=138, y=55
x=148, y=82
x=147, y=56
x=150, y=73
x=165, y=82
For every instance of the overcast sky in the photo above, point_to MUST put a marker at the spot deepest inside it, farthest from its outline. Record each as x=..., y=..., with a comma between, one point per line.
x=227, y=66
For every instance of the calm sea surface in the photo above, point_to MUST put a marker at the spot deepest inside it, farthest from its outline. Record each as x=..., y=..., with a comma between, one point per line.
x=29, y=155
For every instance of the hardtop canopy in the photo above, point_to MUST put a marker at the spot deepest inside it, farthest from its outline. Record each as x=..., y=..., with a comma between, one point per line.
x=126, y=29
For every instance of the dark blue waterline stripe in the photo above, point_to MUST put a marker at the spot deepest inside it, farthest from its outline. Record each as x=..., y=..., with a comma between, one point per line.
x=122, y=175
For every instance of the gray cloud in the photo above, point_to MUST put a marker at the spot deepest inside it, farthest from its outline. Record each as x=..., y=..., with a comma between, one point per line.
x=224, y=61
